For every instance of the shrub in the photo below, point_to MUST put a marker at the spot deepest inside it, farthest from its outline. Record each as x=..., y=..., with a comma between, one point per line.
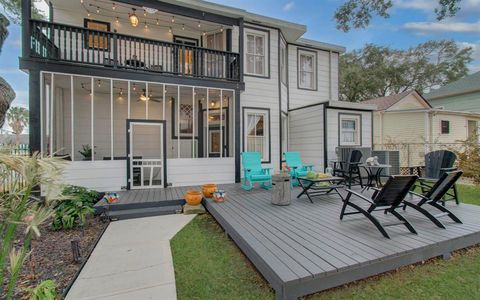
x=73, y=211
x=469, y=158
x=46, y=290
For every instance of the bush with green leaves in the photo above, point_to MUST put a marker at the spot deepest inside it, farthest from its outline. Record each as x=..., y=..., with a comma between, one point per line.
x=73, y=211
x=46, y=290
x=469, y=158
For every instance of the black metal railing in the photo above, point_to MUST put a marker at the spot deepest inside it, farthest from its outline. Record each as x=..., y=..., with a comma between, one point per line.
x=109, y=49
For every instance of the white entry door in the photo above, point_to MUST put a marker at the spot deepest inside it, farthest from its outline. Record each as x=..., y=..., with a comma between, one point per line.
x=146, y=154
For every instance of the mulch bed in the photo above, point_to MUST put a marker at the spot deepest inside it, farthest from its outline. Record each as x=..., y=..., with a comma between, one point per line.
x=51, y=256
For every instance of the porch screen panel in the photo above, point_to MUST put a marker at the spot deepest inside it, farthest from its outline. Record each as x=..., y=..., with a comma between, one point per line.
x=216, y=123
x=201, y=121
x=171, y=96
x=102, y=119
x=120, y=115
x=138, y=100
x=82, y=126
x=45, y=112
x=155, y=101
x=184, y=122
x=229, y=117
x=62, y=116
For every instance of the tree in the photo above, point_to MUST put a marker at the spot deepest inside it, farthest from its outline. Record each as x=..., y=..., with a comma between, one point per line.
x=13, y=9
x=376, y=71
x=17, y=119
x=6, y=92
x=358, y=13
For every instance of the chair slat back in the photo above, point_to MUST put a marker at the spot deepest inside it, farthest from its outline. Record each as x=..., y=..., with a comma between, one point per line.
x=395, y=190
x=441, y=187
x=355, y=157
x=436, y=160
x=252, y=161
x=293, y=159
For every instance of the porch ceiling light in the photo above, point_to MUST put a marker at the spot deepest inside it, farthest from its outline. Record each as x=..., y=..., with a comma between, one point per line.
x=144, y=97
x=133, y=18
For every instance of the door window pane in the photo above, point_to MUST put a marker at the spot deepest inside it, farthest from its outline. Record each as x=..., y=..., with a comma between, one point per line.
x=120, y=115
x=82, y=125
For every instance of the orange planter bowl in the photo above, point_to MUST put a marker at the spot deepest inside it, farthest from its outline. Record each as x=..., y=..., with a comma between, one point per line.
x=193, y=197
x=208, y=190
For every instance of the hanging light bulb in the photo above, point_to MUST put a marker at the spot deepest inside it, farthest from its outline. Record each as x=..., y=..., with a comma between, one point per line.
x=99, y=83
x=170, y=30
x=81, y=1
x=199, y=24
x=133, y=18
x=221, y=29
x=183, y=26
x=88, y=14
x=146, y=26
x=117, y=20
x=173, y=19
x=114, y=6
x=98, y=10
x=204, y=33
x=144, y=13
x=134, y=87
x=121, y=91
x=158, y=22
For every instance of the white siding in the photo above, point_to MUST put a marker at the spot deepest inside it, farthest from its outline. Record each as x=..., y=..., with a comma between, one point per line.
x=112, y=175
x=332, y=129
x=327, y=78
x=264, y=93
x=306, y=135
x=284, y=98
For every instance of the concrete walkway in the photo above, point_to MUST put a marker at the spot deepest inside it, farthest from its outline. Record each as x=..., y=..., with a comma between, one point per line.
x=132, y=260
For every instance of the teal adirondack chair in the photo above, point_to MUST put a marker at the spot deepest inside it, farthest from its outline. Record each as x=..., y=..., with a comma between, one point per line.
x=298, y=169
x=253, y=172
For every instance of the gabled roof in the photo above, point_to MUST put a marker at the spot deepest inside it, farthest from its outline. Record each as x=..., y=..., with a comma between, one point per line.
x=469, y=83
x=384, y=103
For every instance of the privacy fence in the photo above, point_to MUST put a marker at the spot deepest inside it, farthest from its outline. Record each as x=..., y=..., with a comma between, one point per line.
x=10, y=178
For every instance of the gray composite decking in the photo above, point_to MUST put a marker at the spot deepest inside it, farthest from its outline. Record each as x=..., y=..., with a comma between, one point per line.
x=145, y=196
x=305, y=248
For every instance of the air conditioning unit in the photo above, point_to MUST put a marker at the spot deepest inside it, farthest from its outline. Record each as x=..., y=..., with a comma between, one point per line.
x=389, y=158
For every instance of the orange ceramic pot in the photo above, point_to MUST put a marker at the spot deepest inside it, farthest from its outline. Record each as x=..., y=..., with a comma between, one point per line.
x=208, y=190
x=193, y=197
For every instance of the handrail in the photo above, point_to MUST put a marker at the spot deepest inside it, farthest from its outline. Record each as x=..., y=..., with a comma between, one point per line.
x=111, y=49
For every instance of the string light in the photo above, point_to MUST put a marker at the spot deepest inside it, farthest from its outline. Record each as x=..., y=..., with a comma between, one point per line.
x=170, y=29
x=99, y=83
x=117, y=20
x=146, y=26
x=204, y=33
x=183, y=26
x=113, y=6
x=221, y=29
x=98, y=10
x=173, y=19
x=81, y=1
x=121, y=91
x=88, y=14
x=158, y=22
x=144, y=13
x=199, y=24
x=134, y=87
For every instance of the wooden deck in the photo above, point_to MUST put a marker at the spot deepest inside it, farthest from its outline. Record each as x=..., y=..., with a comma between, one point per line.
x=145, y=196
x=305, y=248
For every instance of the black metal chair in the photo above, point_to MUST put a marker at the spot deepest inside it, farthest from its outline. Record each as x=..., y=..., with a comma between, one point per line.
x=436, y=164
x=350, y=169
x=387, y=199
x=435, y=195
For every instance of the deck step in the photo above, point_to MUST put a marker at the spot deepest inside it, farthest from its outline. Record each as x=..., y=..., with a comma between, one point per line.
x=125, y=214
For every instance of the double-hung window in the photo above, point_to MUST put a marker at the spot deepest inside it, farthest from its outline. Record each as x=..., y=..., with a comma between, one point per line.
x=350, y=130
x=307, y=73
x=256, y=54
x=256, y=129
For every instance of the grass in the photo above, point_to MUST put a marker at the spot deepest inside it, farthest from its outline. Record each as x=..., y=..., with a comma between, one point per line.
x=209, y=266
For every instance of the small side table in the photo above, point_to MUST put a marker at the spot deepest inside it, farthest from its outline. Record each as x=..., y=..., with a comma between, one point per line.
x=374, y=173
x=310, y=189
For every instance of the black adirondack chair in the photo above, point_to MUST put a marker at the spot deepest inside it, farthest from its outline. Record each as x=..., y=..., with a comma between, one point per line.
x=434, y=196
x=386, y=199
x=350, y=169
x=436, y=164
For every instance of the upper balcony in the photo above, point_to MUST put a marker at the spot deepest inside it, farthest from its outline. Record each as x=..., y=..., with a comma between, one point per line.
x=123, y=36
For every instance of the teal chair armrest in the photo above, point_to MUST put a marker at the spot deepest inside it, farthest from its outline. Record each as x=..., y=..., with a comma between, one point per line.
x=267, y=170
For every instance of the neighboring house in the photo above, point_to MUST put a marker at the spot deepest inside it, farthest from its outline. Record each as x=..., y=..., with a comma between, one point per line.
x=460, y=95
x=408, y=120
x=170, y=92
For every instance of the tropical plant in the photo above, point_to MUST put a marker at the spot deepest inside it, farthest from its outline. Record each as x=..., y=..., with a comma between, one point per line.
x=6, y=92
x=377, y=71
x=358, y=13
x=17, y=118
x=469, y=158
x=46, y=290
x=73, y=210
x=86, y=152
x=21, y=211
x=13, y=8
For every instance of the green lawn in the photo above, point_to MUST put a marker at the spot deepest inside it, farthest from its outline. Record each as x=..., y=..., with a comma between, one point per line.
x=209, y=266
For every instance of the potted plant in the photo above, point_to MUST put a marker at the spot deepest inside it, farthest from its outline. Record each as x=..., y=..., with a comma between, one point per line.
x=193, y=197
x=86, y=152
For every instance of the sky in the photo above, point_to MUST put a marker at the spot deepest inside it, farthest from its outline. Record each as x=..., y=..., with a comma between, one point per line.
x=411, y=22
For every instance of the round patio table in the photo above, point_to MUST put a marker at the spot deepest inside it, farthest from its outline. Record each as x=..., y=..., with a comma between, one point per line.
x=374, y=173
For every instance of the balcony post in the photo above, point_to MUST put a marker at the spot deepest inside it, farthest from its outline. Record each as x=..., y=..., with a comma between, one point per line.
x=115, y=50
x=26, y=16
x=241, y=48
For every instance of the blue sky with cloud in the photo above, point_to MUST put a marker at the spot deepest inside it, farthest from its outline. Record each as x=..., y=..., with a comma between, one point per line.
x=411, y=22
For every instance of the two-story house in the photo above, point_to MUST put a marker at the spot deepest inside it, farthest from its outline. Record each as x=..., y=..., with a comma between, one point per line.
x=145, y=93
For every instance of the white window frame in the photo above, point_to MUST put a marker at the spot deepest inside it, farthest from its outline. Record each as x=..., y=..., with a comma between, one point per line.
x=313, y=55
x=265, y=112
x=283, y=61
x=266, y=59
x=357, y=131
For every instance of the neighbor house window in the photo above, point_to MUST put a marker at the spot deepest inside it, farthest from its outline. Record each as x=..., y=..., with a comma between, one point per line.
x=283, y=62
x=350, y=130
x=307, y=70
x=256, y=130
x=256, y=53
x=445, y=127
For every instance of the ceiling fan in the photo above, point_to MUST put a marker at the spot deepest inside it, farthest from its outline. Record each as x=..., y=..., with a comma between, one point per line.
x=144, y=97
